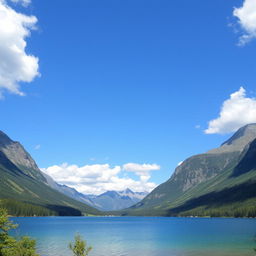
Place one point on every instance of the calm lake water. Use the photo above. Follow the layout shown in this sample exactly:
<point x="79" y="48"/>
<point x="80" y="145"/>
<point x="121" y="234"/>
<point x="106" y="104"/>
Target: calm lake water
<point x="143" y="236"/>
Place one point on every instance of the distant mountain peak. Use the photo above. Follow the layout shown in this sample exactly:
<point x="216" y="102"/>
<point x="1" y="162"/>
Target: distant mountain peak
<point x="127" y="190"/>
<point x="110" y="193"/>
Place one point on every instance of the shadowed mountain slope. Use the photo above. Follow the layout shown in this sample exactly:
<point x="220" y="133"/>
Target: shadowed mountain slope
<point x="24" y="189"/>
<point x="205" y="176"/>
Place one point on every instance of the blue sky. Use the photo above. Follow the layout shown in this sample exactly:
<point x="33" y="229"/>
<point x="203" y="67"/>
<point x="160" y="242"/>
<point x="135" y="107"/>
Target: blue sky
<point x="130" y="81"/>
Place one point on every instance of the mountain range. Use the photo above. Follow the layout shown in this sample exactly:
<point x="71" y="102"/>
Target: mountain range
<point x="116" y="200"/>
<point x="107" y="201"/>
<point x="220" y="182"/>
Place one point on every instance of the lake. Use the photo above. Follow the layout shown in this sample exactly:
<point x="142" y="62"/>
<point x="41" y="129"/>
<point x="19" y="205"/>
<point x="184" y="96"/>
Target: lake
<point x="143" y="236"/>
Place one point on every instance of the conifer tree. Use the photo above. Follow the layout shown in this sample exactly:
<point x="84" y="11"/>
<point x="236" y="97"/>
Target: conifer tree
<point x="9" y="246"/>
<point x="79" y="247"/>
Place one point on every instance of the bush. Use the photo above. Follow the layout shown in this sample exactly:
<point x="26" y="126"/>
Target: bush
<point x="79" y="247"/>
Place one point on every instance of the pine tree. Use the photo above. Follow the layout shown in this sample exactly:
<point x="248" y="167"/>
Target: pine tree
<point x="9" y="246"/>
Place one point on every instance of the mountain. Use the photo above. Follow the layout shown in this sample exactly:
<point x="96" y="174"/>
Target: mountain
<point x="117" y="200"/>
<point x="24" y="189"/>
<point x="16" y="154"/>
<point x="219" y="182"/>
<point x="108" y="201"/>
<point x="135" y="196"/>
<point x="68" y="191"/>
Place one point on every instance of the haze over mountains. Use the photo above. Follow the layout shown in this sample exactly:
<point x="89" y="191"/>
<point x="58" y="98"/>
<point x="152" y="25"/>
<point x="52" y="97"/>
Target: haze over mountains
<point x="117" y="200"/>
<point x="220" y="182"/>
<point x="108" y="201"/>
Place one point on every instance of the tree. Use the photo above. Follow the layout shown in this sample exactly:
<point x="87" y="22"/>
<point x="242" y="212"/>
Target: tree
<point x="6" y="241"/>
<point x="79" y="247"/>
<point x="9" y="246"/>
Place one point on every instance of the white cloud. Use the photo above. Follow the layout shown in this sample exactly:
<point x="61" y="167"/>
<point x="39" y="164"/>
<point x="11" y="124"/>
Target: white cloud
<point x="246" y="16"/>
<point x="236" y="112"/>
<point x="97" y="178"/>
<point x="16" y="65"/>
<point x="141" y="170"/>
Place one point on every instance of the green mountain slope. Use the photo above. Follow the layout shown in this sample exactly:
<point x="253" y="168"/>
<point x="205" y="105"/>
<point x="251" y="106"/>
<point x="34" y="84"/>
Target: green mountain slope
<point x="221" y="182"/>
<point x="24" y="190"/>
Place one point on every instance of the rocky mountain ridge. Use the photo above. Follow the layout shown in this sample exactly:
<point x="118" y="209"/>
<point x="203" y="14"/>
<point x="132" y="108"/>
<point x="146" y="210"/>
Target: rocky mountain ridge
<point x="24" y="189"/>
<point x="205" y="173"/>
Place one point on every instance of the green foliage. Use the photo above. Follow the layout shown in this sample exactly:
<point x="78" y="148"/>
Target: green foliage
<point x="224" y="211"/>
<point x="23" y="247"/>
<point x="5" y="223"/>
<point x="16" y="208"/>
<point x="79" y="247"/>
<point x="5" y="226"/>
<point x="9" y="246"/>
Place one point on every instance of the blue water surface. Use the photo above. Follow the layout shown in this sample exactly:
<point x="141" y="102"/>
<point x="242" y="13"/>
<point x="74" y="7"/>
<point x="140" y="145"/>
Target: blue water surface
<point x="142" y="236"/>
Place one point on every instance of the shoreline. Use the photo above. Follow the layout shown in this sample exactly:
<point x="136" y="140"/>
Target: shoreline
<point x="116" y="216"/>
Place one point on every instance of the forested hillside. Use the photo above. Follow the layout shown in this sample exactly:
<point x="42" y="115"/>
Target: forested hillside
<point x="24" y="190"/>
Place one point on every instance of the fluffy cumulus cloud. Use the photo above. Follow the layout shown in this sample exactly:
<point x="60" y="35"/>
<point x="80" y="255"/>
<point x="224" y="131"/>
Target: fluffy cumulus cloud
<point x="236" y="112"/>
<point x="98" y="178"/>
<point x="246" y="16"/>
<point x="16" y="65"/>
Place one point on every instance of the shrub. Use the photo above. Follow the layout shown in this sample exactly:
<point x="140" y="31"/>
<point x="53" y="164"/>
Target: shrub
<point x="79" y="247"/>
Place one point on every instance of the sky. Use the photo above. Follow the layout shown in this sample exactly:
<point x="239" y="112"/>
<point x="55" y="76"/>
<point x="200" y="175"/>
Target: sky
<point x="112" y="94"/>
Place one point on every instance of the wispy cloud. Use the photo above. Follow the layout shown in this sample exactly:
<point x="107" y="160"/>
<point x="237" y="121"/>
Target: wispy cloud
<point x="23" y="2"/>
<point x="37" y="147"/>
<point x="236" y="112"/>
<point x="246" y="15"/>
<point x="98" y="178"/>
<point x="16" y="65"/>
